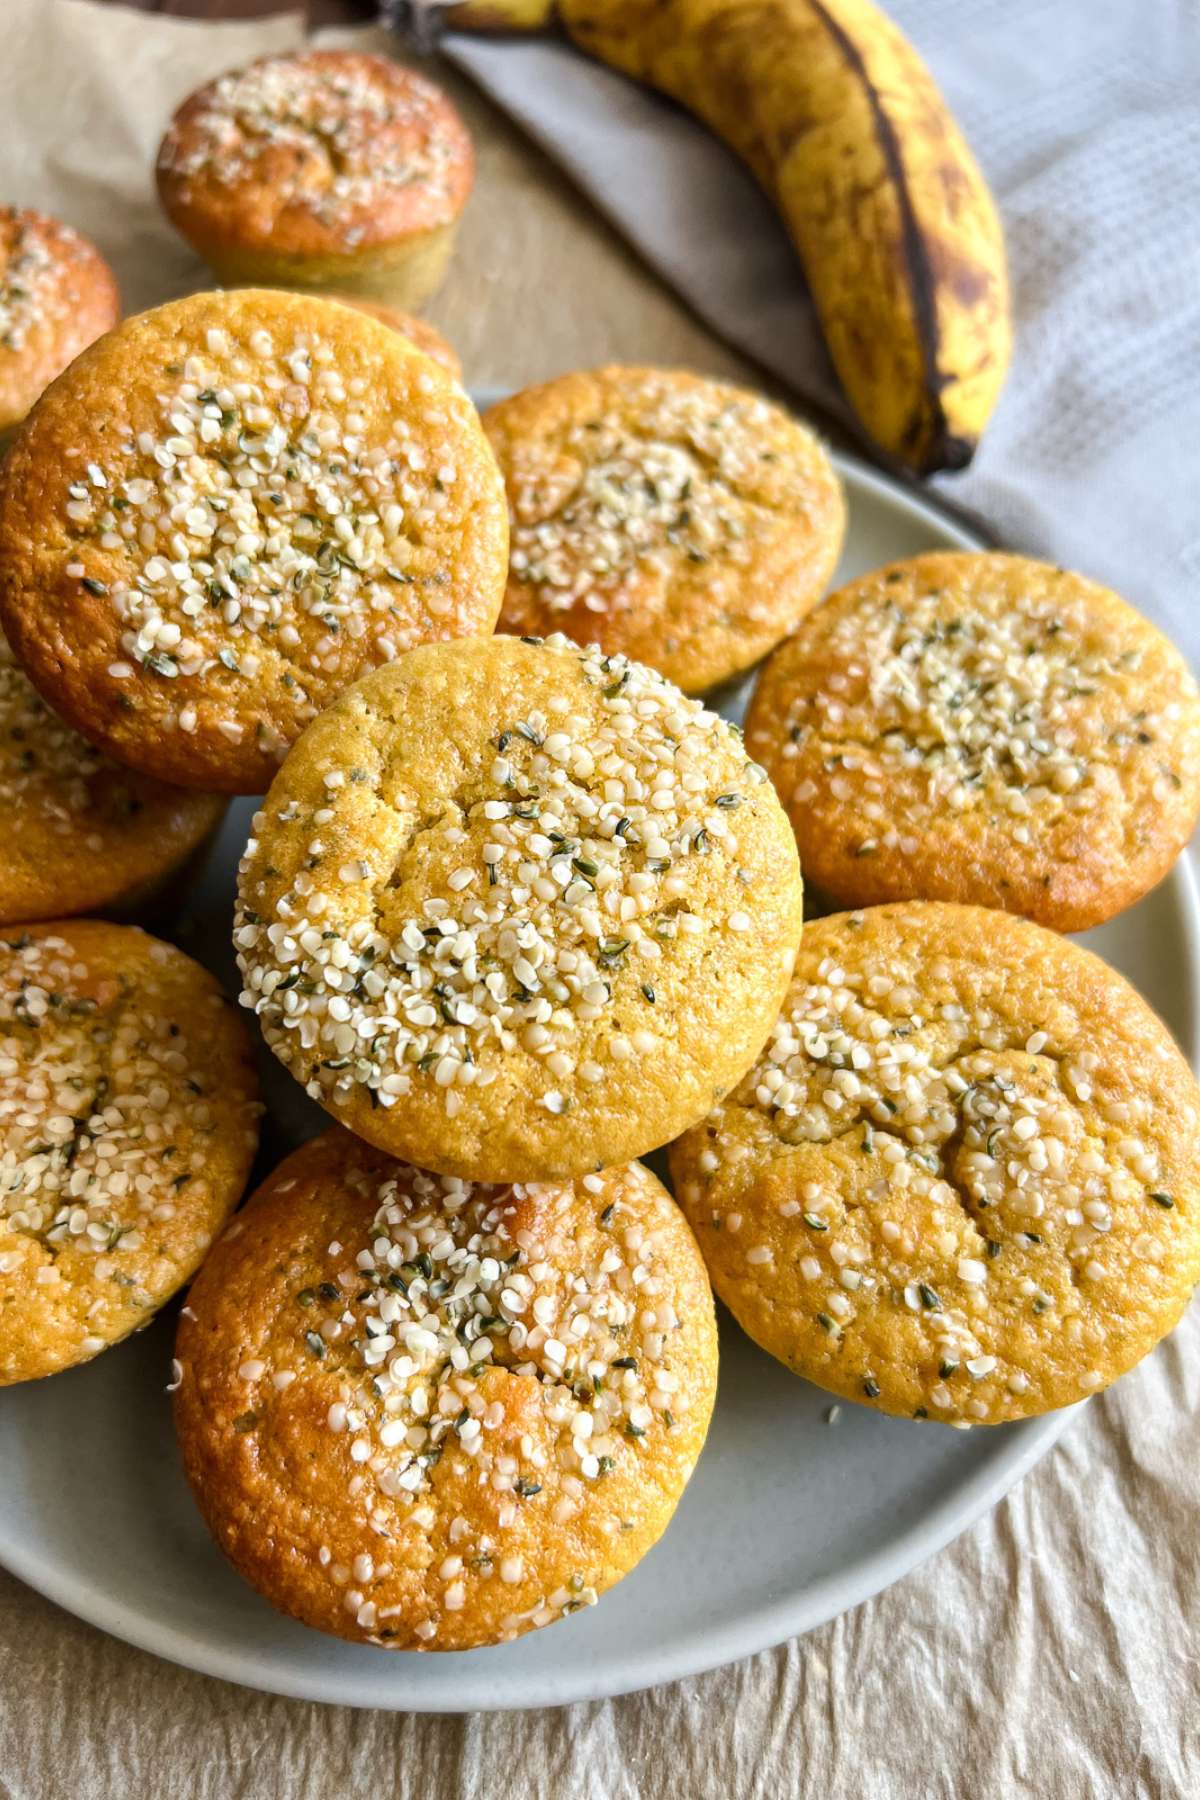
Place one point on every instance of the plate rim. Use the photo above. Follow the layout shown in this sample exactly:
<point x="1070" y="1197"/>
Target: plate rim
<point x="754" y="1632"/>
<point x="748" y="1632"/>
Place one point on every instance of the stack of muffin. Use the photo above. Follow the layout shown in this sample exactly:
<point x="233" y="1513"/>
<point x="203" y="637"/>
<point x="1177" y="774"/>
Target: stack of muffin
<point x="517" y="910"/>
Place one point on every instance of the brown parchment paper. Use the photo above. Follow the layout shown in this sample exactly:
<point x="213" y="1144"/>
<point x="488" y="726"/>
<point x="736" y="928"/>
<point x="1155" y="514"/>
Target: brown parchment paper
<point x="1052" y="1651"/>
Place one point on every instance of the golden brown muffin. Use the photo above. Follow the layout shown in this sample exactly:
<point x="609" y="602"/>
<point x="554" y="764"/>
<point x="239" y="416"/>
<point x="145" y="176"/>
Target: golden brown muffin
<point x="229" y="509"/>
<point x="322" y="169"/>
<point x="128" y="1123"/>
<point x="417" y="331"/>
<point x="515" y="910"/>
<point x="82" y="833"/>
<point x="982" y="728"/>
<point x="961" y="1182"/>
<point x="57" y="295"/>
<point x="680" y="521"/>
<point x="428" y="1415"/>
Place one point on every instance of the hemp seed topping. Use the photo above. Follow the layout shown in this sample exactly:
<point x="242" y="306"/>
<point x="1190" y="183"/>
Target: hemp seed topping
<point x="677" y="483"/>
<point x="982" y="728"/>
<point x="677" y="519"/>
<point x="948" y="1151"/>
<point x="44" y="760"/>
<point x="28" y="281"/>
<point x="334" y="134"/>
<point x="56" y="295"/>
<point x="83" y="832"/>
<point x="486" y="1376"/>
<point x="126" y="1129"/>
<point x="584" y="838"/>
<point x="281" y="496"/>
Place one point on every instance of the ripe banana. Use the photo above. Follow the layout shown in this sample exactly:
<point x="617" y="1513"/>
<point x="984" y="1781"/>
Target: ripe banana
<point x="842" y="124"/>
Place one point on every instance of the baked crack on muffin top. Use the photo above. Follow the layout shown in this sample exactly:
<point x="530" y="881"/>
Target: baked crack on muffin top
<point x="518" y="862"/>
<point x="677" y="479"/>
<point x="960" y="1180"/>
<point x="87" y="1114"/>
<point x="127" y="1125"/>
<point x="289" y="495"/>
<point x="982" y="728"/>
<point x="682" y="521"/>
<point x="501" y="1392"/>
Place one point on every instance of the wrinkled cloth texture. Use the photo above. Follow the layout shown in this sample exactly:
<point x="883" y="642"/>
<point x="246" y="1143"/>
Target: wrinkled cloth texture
<point x="1083" y="114"/>
<point x="1053" y="1649"/>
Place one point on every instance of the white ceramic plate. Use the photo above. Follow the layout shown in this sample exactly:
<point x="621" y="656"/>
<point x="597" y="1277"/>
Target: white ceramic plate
<point x="787" y="1521"/>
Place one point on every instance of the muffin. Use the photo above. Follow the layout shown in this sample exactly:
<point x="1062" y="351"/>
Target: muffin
<point x="982" y="728"/>
<point x="680" y="521"/>
<point x="428" y="1415"/>
<point x="57" y="295"/>
<point x="961" y="1181"/>
<point x="514" y="910"/>
<point x="321" y="169"/>
<point x="229" y="509"/>
<point x="83" y="834"/>
<point x="128" y="1123"/>
<point x="417" y="331"/>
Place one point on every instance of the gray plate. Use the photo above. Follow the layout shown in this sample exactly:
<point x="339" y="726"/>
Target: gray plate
<point x="787" y="1521"/>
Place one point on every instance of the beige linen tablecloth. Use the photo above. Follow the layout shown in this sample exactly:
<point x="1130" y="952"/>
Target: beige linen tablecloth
<point x="1051" y="1651"/>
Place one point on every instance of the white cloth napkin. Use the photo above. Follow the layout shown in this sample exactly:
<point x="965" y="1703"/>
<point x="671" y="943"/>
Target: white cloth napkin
<point x="1084" y="115"/>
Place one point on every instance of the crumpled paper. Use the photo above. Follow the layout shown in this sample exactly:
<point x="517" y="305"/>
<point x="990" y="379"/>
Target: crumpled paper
<point x="1050" y="1651"/>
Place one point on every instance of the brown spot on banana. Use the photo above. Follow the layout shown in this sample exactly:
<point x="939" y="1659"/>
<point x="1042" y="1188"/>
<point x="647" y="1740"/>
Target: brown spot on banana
<point x="967" y="283"/>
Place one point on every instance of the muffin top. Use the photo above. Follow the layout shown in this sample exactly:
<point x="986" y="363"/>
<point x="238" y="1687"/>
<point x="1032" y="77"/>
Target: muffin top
<point x="517" y="910"/>
<point x="982" y="728"/>
<point x="961" y="1180"/>
<point x="418" y="331"/>
<point x="494" y="1395"/>
<point x="679" y="520"/>
<point x="229" y="509"/>
<point x="81" y="832"/>
<point x="318" y="153"/>
<point x="57" y="294"/>
<point x="128" y="1121"/>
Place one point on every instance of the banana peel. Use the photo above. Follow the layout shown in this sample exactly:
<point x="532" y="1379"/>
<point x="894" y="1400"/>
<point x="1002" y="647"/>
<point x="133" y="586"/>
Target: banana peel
<point x="501" y="17"/>
<point x="837" y="116"/>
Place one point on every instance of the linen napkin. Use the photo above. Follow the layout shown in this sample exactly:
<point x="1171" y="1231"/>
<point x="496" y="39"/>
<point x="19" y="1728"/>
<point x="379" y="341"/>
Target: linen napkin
<point x="1083" y="114"/>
